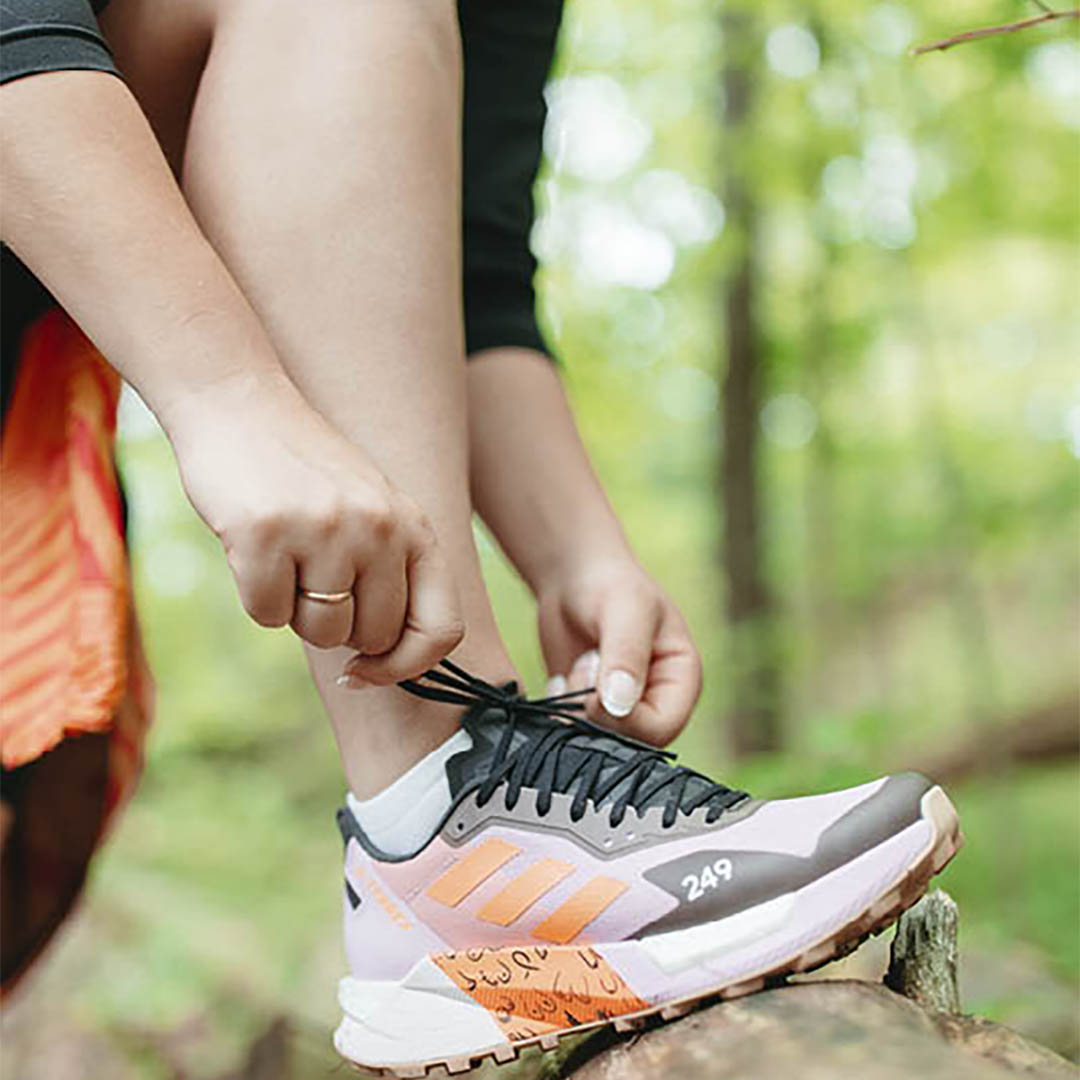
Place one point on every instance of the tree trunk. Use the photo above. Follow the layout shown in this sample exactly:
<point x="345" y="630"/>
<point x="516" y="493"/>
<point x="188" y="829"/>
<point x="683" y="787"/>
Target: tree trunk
<point x="754" y="723"/>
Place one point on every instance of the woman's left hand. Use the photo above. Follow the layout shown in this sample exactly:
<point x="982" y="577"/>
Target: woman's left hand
<point x="606" y="623"/>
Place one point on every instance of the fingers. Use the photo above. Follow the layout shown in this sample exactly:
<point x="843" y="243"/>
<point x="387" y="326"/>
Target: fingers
<point x="556" y="685"/>
<point x="628" y="625"/>
<point x="561" y="643"/>
<point x="324" y="623"/>
<point x="646" y="638"/>
<point x="403" y="615"/>
<point x="433" y="624"/>
<point x="584" y="672"/>
<point x="266" y="583"/>
<point x="673" y="685"/>
<point x="270" y="584"/>
<point x="381" y="607"/>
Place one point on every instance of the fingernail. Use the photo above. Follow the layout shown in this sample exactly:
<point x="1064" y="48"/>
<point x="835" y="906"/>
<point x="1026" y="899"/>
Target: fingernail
<point x="589" y="666"/>
<point x="353" y="682"/>
<point x="620" y="693"/>
<point x="556" y="685"/>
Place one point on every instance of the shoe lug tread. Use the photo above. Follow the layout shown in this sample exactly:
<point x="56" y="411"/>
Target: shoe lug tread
<point x="738" y="990"/>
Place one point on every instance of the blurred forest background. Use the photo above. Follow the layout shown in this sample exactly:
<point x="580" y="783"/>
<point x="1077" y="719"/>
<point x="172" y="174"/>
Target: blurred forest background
<point x="816" y="301"/>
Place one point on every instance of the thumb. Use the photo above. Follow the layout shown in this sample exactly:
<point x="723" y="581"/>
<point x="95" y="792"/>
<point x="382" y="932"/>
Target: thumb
<point x="628" y="626"/>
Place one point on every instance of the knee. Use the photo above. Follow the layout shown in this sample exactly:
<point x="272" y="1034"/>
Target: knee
<point x="425" y="31"/>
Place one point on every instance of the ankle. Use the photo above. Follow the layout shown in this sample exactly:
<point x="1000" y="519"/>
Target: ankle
<point x="383" y="732"/>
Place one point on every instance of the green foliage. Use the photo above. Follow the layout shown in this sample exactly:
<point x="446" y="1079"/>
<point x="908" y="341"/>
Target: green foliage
<point x="1022" y="828"/>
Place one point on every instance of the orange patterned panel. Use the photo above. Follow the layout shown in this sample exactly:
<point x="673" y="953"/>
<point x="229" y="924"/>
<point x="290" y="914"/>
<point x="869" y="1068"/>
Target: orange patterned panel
<point x="535" y="990"/>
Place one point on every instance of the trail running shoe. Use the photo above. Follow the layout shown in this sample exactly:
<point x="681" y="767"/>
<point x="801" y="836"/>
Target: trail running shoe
<point x="581" y="878"/>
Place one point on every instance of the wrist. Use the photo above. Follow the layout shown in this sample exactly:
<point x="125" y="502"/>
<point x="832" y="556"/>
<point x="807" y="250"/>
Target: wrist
<point x="238" y="394"/>
<point x="579" y="552"/>
<point x="547" y="509"/>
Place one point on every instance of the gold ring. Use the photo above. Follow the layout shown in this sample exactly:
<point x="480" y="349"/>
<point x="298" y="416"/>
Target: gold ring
<point x="326" y="597"/>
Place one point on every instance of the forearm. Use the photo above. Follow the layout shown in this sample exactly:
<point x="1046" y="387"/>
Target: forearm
<point x="531" y="479"/>
<point x="91" y="207"/>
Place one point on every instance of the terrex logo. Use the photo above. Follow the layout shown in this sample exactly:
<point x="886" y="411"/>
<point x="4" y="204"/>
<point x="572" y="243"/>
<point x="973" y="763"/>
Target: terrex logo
<point x="710" y="875"/>
<point x="368" y="883"/>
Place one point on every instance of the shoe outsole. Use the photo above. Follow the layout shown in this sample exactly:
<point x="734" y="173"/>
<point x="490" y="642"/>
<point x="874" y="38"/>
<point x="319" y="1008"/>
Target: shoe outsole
<point x="876" y="918"/>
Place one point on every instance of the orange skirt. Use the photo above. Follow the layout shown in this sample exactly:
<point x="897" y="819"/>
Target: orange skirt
<point x="70" y="658"/>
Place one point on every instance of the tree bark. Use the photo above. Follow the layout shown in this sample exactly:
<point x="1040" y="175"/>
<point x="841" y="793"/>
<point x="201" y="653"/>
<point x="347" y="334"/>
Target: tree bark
<point x="754" y="722"/>
<point x="923" y="965"/>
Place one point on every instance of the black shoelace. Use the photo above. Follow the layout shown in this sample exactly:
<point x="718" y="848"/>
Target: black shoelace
<point x="557" y="731"/>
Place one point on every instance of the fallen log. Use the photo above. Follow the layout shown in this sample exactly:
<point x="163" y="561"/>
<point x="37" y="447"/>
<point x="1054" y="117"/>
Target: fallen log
<point x="1049" y="733"/>
<point x="820" y="1031"/>
<point x="832" y="1030"/>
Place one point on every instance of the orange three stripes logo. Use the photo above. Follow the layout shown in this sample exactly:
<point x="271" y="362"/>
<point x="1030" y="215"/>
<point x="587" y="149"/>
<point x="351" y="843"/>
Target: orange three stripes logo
<point x="513" y="900"/>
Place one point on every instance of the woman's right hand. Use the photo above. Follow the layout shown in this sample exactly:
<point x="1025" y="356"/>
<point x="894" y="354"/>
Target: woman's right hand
<point x="297" y="507"/>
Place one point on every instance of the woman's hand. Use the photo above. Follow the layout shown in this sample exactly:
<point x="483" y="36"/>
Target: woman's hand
<point x="297" y="507"/>
<point x="606" y="623"/>
<point x="603" y="620"/>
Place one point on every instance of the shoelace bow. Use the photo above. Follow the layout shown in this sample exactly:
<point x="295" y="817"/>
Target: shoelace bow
<point x="536" y="762"/>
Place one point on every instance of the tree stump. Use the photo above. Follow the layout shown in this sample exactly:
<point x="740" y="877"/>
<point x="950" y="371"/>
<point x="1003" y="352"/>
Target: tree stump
<point x="923" y="965"/>
<point x="831" y="1030"/>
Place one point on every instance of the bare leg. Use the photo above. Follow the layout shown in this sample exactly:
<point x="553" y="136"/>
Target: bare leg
<point x="322" y="160"/>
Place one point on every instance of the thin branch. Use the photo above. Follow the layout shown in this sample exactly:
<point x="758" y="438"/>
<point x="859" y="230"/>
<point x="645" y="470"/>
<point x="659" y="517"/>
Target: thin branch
<point x="991" y="31"/>
<point x="1041" y="6"/>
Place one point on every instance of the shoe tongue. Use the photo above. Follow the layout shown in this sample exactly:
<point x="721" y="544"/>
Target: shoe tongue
<point x="487" y="726"/>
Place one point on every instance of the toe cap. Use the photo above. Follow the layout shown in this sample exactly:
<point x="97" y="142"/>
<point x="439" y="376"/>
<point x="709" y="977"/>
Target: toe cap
<point x="895" y="805"/>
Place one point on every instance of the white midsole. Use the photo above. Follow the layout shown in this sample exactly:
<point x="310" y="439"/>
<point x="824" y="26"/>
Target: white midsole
<point x="422" y="1017"/>
<point x="425" y="1016"/>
